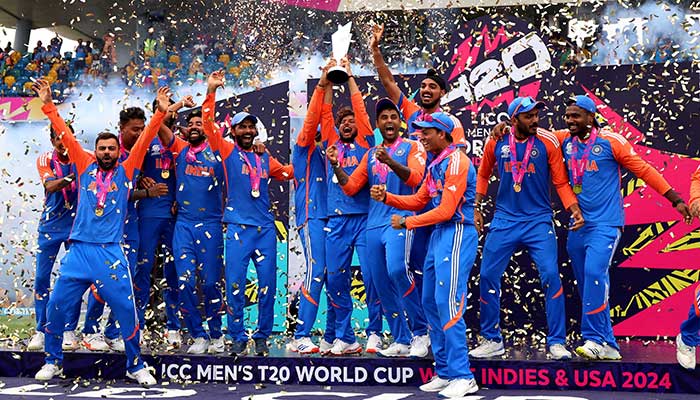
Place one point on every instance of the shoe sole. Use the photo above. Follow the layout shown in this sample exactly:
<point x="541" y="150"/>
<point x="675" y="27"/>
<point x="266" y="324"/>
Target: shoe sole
<point x="392" y="356"/>
<point x="58" y="373"/>
<point x="371" y="351"/>
<point x="89" y="347"/>
<point x="132" y="377"/>
<point x="216" y="351"/>
<point x="490" y="355"/>
<point x="582" y="353"/>
<point x="346" y="353"/>
<point x="470" y="391"/>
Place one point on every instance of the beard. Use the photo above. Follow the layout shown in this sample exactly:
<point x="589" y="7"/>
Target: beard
<point x="195" y="141"/>
<point x="106" y="165"/>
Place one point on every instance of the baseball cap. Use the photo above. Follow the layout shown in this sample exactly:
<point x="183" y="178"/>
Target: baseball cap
<point x="583" y="102"/>
<point x="239" y="117"/>
<point x="523" y="105"/>
<point x="385" y="103"/>
<point x="439" y="120"/>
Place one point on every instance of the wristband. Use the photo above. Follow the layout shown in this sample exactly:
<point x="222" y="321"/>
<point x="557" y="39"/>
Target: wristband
<point x="402" y="222"/>
<point x="68" y="179"/>
<point x="677" y="202"/>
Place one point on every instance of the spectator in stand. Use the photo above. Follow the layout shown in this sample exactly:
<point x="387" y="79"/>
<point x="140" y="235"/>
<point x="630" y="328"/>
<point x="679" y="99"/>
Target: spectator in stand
<point x="56" y="43"/>
<point x="88" y="47"/>
<point x="8" y="48"/>
<point x="80" y="54"/>
<point x="39" y="52"/>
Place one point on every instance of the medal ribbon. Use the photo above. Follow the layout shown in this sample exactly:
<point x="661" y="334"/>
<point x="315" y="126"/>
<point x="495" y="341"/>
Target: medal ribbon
<point x="103" y="182"/>
<point x="579" y="165"/>
<point x="383" y="169"/>
<point x="519" y="173"/>
<point x="59" y="173"/>
<point x="166" y="156"/>
<point x="255" y="173"/>
<point x="191" y="156"/>
<point x="342" y="149"/>
<point x="432" y="186"/>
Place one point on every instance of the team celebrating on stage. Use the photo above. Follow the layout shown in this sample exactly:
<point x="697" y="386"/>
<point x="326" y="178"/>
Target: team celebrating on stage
<point x="411" y="207"/>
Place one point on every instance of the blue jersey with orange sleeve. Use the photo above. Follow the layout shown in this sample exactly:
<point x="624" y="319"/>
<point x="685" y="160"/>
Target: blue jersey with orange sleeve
<point x="199" y="186"/>
<point x="454" y="178"/>
<point x="601" y="199"/>
<point x="409" y="153"/>
<point x="309" y="166"/>
<point x="58" y="211"/>
<point x="412" y="112"/>
<point x="242" y="207"/>
<point x="109" y="226"/>
<point x="153" y="167"/>
<point x="338" y="202"/>
<point x="533" y="202"/>
<point x="131" y="223"/>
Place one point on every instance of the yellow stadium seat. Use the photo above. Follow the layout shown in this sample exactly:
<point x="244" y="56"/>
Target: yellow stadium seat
<point x="9" y="80"/>
<point x="224" y="58"/>
<point x="174" y="58"/>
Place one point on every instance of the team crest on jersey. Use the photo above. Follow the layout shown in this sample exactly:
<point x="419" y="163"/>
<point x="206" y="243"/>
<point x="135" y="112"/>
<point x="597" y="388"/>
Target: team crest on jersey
<point x="597" y="149"/>
<point x="505" y="151"/>
<point x="534" y="153"/>
<point x="400" y="152"/>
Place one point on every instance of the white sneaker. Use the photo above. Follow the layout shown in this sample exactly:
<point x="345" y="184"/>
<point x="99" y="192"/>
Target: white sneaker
<point x="173" y="338"/>
<point x="374" y="344"/>
<point x="95" y="342"/>
<point x="340" y="348"/>
<point x="558" y="352"/>
<point x="70" y="341"/>
<point x="325" y="347"/>
<point x="216" y="346"/>
<point x="200" y="346"/>
<point x="420" y="346"/>
<point x="594" y="351"/>
<point x="36" y="342"/>
<point x="142" y="376"/>
<point x="395" y="350"/>
<point x="303" y="345"/>
<point x="488" y="348"/>
<point x="48" y="372"/>
<point x="434" y="385"/>
<point x="459" y="388"/>
<point x="685" y="354"/>
<point x="115" y="344"/>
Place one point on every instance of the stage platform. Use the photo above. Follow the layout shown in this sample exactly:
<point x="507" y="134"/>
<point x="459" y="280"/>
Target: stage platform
<point x="647" y="366"/>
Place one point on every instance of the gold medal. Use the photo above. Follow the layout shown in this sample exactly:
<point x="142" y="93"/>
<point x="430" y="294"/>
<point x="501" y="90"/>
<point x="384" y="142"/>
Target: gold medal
<point x="165" y="174"/>
<point x="334" y="179"/>
<point x="99" y="211"/>
<point x="578" y="189"/>
<point x="255" y="193"/>
<point x="517" y="187"/>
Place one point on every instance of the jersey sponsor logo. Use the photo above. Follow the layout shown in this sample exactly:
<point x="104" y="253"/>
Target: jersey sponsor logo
<point x="199" y="170"/>
<point x="505" y="151"/>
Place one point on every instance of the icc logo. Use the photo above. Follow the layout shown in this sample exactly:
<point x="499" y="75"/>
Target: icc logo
<point x="569" y="147"/>
<point x="505" y="151"/>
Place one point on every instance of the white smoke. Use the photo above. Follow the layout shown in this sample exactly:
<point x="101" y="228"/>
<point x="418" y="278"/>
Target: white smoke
<point x="651" y="32"/>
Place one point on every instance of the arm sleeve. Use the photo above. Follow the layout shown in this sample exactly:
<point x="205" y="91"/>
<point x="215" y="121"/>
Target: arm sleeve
<point x="358" y="179"/>
<point x="364" y="128"/>
<point x="216" y="141"/>
<point x="695" y="187"/>
<point x="452" y="194"/>
<point x="560" y="177"/>
<point x="43" y="165"/>
<point x="279" y="171"/>
<point x="328" y="133"/>
<point x="628" y="158"/>
<point x="138" y="152"/>
<point x="307" y="136"/>
<point x="76" y="153"/>
<point x="488" y="160"/>
<point x="411" y="202"/>
<point x="416" y="163"/>
<point x="458" y="137"/>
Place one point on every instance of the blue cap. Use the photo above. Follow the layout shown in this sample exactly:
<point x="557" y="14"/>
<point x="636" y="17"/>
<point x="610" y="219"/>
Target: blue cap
<point x="523" y="105"/>
<point x="584" y="102"/>
<point x="239" y="117"/>
<point x="439" y="120"/>
<point x="385" y="103"/>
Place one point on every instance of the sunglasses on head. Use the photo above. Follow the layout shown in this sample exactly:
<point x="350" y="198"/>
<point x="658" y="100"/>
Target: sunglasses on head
<point x="429" y="118"/>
